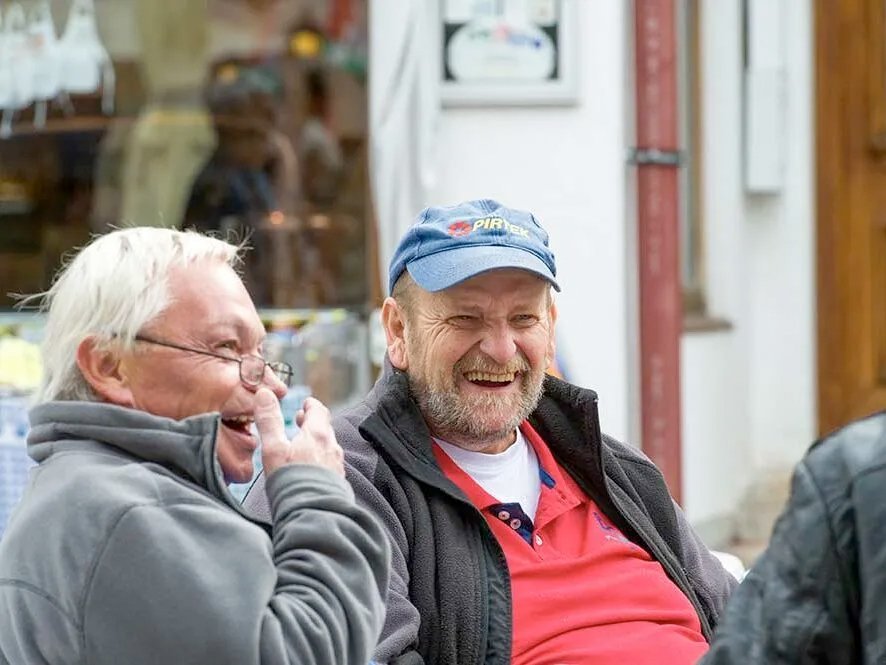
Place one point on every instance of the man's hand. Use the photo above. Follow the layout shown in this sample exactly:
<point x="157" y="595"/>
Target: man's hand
<point x="315" y="442"/>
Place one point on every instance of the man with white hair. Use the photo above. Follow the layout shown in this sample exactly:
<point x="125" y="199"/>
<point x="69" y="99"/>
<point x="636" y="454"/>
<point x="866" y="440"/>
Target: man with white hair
<point x="127" y="546"/>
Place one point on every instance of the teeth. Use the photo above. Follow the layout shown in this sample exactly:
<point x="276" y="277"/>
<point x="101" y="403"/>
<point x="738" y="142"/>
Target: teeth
<point x="486" y="376"/>
<point x="241" y="420"/>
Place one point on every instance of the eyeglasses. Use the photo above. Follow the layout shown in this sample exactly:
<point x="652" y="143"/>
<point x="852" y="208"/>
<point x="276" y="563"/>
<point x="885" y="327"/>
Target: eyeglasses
<point x="252" y="368"/>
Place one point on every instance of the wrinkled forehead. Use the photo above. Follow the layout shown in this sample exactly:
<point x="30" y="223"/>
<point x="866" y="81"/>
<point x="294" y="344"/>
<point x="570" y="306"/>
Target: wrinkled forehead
<point x="209" y="297"/>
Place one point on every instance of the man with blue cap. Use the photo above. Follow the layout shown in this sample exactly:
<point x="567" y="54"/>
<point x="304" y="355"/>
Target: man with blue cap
<point x="520" y="533"/>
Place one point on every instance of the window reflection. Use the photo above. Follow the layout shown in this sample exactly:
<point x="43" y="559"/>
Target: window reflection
<point x="243" y="117"/>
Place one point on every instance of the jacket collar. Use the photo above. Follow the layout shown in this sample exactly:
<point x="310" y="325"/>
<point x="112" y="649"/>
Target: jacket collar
<point x="396" y="426"/>
<point x="185" y="447"/>
<point x="566" y="418"/>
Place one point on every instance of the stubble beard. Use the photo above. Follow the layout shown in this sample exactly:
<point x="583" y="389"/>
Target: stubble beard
<point x="474" y="422"/>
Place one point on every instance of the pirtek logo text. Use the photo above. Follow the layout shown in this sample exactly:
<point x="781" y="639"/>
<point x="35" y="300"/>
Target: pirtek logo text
<point x="463" y="228"/>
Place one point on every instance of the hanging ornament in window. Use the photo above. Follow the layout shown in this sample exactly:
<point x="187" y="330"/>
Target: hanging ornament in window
<point x="17" y="77"/>
<point x="43" y="56"/>
<point x="86" y="65"/>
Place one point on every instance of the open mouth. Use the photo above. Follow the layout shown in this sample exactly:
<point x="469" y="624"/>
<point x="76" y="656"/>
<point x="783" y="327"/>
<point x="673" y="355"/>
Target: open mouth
<point x="491" y="379"/>
<point x="241" y="424"/>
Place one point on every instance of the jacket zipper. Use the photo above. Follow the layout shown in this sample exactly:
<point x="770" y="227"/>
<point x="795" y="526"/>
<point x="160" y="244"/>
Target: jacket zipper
<point x="656" y="546"/>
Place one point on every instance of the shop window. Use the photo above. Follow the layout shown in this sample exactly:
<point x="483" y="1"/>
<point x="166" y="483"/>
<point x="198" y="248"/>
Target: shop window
<point x="247" y="118"/>
<point x="691" y="223"/>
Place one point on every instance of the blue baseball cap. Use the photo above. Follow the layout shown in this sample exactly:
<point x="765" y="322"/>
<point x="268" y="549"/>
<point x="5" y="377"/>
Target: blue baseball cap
<point x="447" y="245"/>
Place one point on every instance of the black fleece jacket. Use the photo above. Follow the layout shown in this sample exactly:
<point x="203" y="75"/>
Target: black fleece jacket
<point x="450" y="598"/>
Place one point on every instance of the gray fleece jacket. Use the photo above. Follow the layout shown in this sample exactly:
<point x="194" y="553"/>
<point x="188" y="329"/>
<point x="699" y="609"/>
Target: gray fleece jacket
<point x="128" y="548"/>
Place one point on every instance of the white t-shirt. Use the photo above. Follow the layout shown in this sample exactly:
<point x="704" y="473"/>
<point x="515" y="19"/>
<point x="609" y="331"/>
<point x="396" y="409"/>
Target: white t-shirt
<point x="510" y="476"/>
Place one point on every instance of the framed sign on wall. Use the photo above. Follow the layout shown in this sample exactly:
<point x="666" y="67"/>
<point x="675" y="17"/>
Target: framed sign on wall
<point x="508" y="52"/>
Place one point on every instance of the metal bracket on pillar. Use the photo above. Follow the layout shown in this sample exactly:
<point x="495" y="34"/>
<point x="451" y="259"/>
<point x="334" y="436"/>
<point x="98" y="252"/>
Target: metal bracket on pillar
<point x="655" y="157"/>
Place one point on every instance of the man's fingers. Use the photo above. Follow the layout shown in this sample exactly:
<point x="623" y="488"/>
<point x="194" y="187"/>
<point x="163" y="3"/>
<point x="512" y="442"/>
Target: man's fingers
<point x="315" y="423"/>
<point x="268" y="419"/>
<point x="316" y="434"/>
<point x="313" y="403"/>
<point x="314" y="444"/>
<point x="309" y="403"/>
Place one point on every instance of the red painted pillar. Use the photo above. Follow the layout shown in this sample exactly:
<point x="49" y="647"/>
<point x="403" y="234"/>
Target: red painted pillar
<point x="657" y="162"/>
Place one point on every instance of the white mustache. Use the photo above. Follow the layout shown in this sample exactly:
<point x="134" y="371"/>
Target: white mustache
<point x="471" y="365"/>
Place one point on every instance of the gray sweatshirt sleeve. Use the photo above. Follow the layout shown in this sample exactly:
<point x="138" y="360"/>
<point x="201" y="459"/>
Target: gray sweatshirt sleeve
<point x="187" y="583"/>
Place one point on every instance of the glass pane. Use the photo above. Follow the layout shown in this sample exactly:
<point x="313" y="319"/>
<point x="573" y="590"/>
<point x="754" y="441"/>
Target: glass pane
<point x="242" y="117"/>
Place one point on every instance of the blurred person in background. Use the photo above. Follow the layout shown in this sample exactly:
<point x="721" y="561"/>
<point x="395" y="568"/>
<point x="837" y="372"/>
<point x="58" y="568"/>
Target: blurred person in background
<point x="520" y="532"/>
<point x="321" y="163"/>
<point x="127" y="546"/>
<point x="254" y="170"/>
<point x="817" y="594"/>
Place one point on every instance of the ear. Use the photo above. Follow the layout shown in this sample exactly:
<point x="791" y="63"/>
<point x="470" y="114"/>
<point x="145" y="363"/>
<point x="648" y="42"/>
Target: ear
<point x="102" y="369"/>
<point x="552" y="338"/>
<point x="393" y="319"/>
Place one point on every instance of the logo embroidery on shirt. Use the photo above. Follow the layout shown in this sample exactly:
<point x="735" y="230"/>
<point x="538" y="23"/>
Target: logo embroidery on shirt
<point x="611" y="533"/>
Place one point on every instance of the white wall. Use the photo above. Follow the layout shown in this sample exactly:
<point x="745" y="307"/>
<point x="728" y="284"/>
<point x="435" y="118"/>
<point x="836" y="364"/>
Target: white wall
<point x="781" y="241"/>
<point x="566" y="165"/>
<point x="748" y="393"/>
<point x="714" y="365"/>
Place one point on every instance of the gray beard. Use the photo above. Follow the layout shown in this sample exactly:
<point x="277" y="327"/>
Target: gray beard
<point x="465" y="422"/>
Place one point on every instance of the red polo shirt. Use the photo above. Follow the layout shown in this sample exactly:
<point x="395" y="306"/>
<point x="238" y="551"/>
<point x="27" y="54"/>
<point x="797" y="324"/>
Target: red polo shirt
<point x="582" y="592"/>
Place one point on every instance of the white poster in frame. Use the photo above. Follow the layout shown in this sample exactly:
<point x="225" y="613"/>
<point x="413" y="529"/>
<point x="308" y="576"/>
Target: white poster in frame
<point x="508" y="52"/>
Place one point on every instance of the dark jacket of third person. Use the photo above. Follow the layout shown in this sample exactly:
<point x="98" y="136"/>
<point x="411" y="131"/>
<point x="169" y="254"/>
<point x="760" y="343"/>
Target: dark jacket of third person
<point x="818" y="592"/>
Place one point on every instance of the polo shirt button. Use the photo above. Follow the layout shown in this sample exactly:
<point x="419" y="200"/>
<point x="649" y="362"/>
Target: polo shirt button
<point x="504" y="515"/>
<point x="515" y="524"/>
<point x="538" y="540"/>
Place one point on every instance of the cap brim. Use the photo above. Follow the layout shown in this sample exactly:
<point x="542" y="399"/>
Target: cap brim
<point x="444" y="269"/>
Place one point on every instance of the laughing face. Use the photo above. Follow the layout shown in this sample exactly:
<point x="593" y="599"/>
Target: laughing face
<point x="209" y="310"/>
<point x="475" y="354"/>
